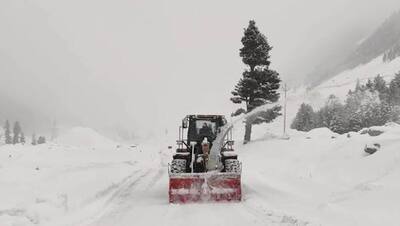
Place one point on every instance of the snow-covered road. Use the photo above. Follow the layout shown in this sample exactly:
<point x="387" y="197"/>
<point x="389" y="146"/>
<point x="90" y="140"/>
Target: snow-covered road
<point x="315" y="178"/>
<point x="142" y="199"/>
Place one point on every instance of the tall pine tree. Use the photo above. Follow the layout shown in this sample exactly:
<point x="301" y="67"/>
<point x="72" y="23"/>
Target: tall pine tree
<point x="259" y="84"/>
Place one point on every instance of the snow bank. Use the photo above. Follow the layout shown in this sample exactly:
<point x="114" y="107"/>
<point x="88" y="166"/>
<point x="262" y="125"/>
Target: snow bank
<point x="391" y="127"/>
<point x="327" y="181"/>
<point x="321" y="133"/>
<point x="84" y="137"/>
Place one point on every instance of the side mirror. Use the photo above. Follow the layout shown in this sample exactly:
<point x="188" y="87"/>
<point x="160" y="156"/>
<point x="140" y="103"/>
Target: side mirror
<point x="185" y="123"/>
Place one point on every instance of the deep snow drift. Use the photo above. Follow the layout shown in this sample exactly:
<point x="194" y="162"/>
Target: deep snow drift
<point x="314" y="178"/>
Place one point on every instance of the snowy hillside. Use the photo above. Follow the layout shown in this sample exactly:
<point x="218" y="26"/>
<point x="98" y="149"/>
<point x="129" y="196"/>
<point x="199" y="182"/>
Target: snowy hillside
<point x="340" y="84"/>
<point x="84" y="137"/>
<point x="383" y="41"/>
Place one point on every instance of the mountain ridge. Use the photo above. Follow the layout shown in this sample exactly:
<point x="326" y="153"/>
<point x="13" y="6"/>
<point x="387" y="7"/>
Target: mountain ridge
<point x="385" y="40"/>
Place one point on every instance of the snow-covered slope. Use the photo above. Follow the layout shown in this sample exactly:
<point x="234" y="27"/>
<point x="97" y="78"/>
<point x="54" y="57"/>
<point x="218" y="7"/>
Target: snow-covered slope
<point x="340" y="84"/>
<point x="84" y="137"/>
<point x="384" y="40"/>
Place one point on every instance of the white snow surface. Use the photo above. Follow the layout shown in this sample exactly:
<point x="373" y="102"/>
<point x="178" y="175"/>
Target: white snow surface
<point x="321" y="133"/>
<point x="310" y="179"/>
<point x="84" y="137"/>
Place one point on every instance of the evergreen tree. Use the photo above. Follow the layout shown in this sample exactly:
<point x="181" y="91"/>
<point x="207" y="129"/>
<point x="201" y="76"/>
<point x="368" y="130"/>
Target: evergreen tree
<point x="304" y="120"/>
<point x="374" y="112"/>
<point x="394" y="114"/>
<point x="365" y="109"/>
<point x="353" y="110"/>
<point x="394" y="90"/>
<point x="359" y="87"/>
<point x="383" y="114"/>
<point x="34" y="141"/>
<point x="259" y="84"/>
<point x="22" y="138"/>
<point x="41" y="140"/>
<point x="379" y="85"/>
<point x="7" y="133"/>
<point x="370" y="85"/>
<point x="16" y="131"/>
<point x="333" y="115"/>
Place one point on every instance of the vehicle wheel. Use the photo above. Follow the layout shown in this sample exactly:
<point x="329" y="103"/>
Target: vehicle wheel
<point x="232" y="166"/>
<point x="178" y="166"/>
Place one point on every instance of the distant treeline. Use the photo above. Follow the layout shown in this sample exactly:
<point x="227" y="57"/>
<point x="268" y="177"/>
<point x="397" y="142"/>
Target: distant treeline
<point x="17" y="136"/>
<point x="372" y="104"/>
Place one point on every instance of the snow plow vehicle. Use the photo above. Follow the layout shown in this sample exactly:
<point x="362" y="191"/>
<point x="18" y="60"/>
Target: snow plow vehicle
<point x="205" y="166"/>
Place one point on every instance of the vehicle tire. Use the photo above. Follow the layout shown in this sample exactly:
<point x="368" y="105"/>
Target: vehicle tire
<point x="178" y="166"/>
<point x="232" y="166"/>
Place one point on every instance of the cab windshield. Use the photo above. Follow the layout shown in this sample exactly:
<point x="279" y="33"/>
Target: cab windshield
<point x="204" y="127"/>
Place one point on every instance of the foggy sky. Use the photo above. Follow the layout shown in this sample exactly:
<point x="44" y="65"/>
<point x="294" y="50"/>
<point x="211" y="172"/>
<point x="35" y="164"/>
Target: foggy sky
<point x="144" y="65"/>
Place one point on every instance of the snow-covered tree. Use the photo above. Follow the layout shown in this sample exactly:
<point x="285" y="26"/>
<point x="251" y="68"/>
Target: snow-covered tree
<point x="41" y="140"/>
<point x="332" y="115"/>
<point x="365" y="109"/>
<point x="379" y="85"/>
<point x="259" y="84"/>
<point x="22" y="138"/>
<point x="34" y="141"/>
<point x="304" y="120"/>
<point x="370" y="85"/>
<point x="7" y="133"/>
<point x="359" y="87"/>
<point x="394" y="90"/>
<point x="16" y="132"/>
<point x="395" y="114"/>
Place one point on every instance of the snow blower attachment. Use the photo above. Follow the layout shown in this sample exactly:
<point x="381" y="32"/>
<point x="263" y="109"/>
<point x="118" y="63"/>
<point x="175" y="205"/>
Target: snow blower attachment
<point x="204" y="167"/>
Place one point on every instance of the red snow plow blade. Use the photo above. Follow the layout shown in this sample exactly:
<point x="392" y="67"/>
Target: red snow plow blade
<point x="204" y="187"/>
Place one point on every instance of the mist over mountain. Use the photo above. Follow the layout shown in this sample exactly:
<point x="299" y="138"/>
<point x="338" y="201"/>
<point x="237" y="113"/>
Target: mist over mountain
<point x="384" y="40"/>
<point x="134" y="67"/>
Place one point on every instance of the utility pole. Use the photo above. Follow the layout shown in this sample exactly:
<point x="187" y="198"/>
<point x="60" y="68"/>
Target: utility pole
<point x="284" y="110"/>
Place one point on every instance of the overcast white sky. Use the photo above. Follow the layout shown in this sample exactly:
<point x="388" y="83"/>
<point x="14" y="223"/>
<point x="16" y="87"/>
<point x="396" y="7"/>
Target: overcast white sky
<point x="147" y="63"/>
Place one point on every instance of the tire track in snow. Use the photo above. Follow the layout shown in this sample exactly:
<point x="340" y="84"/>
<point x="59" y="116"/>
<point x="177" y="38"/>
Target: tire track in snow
<point x="268" y="217"/>
<point x="124" y="187"/>
<point x="112" y="187"/>
<point x="127" y="188"/>
<point x="126" y="197"/>
<point x="156" y="178"/>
